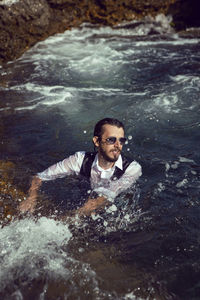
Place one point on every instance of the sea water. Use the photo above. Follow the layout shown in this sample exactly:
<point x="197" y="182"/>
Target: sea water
<point x="146" y="244"/>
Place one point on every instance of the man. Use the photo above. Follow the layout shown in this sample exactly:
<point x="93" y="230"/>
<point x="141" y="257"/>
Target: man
<point x="108" y="171"/>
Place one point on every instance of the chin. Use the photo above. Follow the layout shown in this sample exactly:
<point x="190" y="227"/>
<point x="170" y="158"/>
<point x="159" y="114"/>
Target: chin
<point x="114" y="158"/>
<point x="110" y="157"/>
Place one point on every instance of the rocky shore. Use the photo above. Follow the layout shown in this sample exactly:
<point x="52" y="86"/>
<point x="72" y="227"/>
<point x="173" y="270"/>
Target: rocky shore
<point x="25" y="22"/>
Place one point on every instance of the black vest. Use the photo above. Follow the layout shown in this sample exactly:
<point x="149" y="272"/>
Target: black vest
<point x="87" y="165"/>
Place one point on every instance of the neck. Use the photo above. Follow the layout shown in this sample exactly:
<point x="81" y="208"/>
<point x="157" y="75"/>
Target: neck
<point x="104" y="164"/>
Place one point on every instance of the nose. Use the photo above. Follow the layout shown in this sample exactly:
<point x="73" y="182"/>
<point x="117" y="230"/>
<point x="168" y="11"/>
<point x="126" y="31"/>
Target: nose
<point x="117" y="143"/>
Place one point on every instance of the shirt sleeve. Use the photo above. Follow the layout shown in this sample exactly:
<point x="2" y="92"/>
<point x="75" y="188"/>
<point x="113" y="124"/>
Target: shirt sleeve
<point x="68" y="166"/>
<point x="132" y="173"/>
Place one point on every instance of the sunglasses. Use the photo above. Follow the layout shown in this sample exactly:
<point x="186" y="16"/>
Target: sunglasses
<point x="112" y="140"/>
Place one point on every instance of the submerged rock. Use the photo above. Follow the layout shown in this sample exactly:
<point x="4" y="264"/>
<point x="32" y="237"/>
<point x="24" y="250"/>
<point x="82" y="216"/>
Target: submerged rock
<point x="25" y="22"/>
<point x="10" y="195"/>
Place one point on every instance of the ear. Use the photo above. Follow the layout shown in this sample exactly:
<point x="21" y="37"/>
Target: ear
<point x="96" y="141"/>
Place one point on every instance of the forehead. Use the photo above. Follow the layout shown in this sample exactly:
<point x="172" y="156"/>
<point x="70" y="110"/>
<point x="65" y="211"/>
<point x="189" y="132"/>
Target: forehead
<point x="111" y="130"/>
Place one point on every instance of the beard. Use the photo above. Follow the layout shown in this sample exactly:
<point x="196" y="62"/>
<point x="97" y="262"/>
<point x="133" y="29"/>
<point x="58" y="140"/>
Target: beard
<point x="107" y="158"/>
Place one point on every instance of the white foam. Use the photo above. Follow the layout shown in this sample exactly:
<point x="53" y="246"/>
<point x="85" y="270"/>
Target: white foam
<point x="67" y="91"/>
<point x="85" y="49"/>
<point x="193" y="172"/>
<point x="161" y="187"/>
<point x="57" y="95"/>
<point x="80" y="56"/>
<point x="94" y="59"/>
<point x="111" y="208"/>
<point x="187" y="82"/>
<point x="187" y="160"/>
<point x="24" y="242"/>
<point x="175" y="42"/>
<point x="131" y="296"/>
<point x="160" y="24"/>
<point x="168" y="103"/>
<point x="182" y="183"/>
<point x="31" y="250"/>
<point x="4" y="108"/>
<point x="49" y="96"/>
<point x="30" y="107"/>
<point x="184" y="78"/>
<point x="54" y="102"/>
<point x="175" y="165"/>
<point x="8" y="2"/>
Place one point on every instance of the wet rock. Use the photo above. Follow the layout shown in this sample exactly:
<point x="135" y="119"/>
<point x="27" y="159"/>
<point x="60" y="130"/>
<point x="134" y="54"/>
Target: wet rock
<point x="190" y="33"/>
<point x="185" y="14"/>
<point x="25" y="22"/>
<point x="10" y="195"/>
<point x="20" y="23"/>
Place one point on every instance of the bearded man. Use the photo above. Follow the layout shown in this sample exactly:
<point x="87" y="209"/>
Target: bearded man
<point x="108" y="171"/>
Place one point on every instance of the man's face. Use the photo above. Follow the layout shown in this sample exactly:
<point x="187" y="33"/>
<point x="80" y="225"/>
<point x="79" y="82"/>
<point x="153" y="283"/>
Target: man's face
<point x="110" y="152"/>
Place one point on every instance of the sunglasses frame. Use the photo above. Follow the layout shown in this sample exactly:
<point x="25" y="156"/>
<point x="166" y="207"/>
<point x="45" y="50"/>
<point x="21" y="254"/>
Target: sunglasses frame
<point x="122" y="140"/>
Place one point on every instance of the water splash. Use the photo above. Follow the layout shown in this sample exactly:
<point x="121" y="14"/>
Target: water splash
<point x="8" y="2"/>
<point x="36" y="251"/>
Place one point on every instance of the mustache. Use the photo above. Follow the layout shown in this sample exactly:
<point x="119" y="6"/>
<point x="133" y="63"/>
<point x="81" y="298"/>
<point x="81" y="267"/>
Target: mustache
<point x="116" y="149"/>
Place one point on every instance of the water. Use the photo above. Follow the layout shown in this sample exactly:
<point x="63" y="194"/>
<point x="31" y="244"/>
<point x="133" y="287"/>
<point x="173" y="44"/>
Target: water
<point x="146" y="246"/>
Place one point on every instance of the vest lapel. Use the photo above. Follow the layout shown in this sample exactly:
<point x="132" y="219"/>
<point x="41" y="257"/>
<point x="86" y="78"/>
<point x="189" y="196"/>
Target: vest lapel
<point x="87" y="164"/>
<point x="117" y="173"/>
<point x="88" y="161"/>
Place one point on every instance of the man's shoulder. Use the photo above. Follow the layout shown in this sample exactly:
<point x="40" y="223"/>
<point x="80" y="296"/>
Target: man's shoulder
<point x="90" y="154"/>
<point x="79" y="155"/>
<point x="75" y="160"/>
<point x="129" y="160"/>
<point x="134" y="167"/>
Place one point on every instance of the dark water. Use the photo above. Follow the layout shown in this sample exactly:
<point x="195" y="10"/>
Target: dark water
<point x="146" y="246"/>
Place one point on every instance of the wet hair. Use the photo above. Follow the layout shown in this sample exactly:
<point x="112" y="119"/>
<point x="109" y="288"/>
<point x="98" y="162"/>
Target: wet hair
<point x="110" y="121"/>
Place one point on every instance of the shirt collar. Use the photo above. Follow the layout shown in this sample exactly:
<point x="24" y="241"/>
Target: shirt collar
<point x="118" y="163"/>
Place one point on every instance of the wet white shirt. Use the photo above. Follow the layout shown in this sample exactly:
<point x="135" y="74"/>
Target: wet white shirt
<point x="100" y="179"/>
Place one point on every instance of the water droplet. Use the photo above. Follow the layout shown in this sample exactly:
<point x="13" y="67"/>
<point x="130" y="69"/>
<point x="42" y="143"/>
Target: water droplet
<point x="105" y="223"/>
<point x="81" y="250"/>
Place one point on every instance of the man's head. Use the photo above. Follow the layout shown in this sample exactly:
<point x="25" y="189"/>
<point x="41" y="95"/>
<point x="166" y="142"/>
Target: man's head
<point x="109" y="138"/>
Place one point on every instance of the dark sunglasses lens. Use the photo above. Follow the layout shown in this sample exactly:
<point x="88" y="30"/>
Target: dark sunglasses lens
<point x="111" y="140"/>
<point x="122" y="141"/>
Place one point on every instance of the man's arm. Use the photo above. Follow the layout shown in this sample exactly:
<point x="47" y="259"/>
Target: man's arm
<point x="68" y="166"/>
<point x="132" y="173"/>
<point x="30" y="203"/>
<point x="92" y="205"/>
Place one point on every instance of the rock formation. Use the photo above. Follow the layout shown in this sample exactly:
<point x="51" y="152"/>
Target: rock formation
<point x="25" y="22"/>
<point x="9" y="193"/>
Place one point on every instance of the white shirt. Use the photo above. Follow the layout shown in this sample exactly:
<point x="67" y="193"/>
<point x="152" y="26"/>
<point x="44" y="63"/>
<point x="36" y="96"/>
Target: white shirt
<point x="100" y="179"/>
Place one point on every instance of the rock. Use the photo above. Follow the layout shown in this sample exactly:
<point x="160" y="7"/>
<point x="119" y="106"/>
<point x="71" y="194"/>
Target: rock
<point x="185" y="13"/>
<point x="10" y="195"/>
<point x="190" y="33"/>
<point x="20" y="24"/>
<point x="25" y="22"/>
